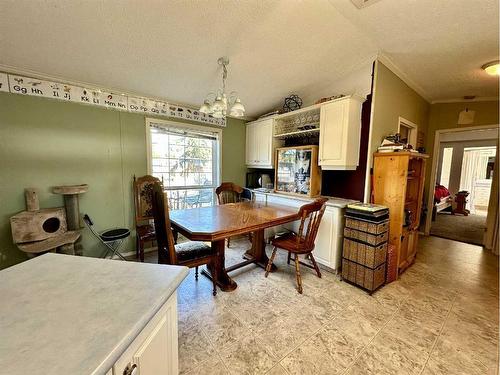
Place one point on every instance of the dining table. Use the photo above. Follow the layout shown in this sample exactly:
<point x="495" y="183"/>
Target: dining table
<point x="216" y="223"/>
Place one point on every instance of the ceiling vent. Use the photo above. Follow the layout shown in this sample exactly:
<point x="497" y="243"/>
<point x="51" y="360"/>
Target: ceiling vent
<point x="363" y="3"/>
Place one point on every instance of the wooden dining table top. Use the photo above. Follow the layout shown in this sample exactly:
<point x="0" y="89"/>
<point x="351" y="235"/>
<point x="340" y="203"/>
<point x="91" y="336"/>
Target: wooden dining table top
<point x="222" y="221"/>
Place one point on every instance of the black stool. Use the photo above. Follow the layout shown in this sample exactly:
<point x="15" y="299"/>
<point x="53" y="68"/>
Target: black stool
<point x="111" y="238"/>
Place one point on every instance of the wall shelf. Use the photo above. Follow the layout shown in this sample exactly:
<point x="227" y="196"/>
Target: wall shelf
<point x="296" y="134"/>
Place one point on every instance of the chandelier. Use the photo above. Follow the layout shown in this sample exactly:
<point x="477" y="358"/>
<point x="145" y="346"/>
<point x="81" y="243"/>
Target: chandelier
<point x="220" y="104"/>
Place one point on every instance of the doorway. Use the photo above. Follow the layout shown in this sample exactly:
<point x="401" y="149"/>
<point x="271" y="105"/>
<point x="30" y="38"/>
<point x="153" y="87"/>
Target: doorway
<point x="461" y="177"/>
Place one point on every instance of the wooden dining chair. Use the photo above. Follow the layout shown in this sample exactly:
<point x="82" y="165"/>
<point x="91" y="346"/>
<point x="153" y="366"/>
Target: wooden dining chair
<point x="302" y="242"/>
<point x="143" y="200"/>
<point x="190" y="254"/>
<point x="229" y="192"/>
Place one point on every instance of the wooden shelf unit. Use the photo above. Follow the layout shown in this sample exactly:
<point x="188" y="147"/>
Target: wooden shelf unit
<point x="396" y="188"/>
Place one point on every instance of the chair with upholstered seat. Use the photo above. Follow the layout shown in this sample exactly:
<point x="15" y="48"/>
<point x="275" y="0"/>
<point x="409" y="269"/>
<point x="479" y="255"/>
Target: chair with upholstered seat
<point x="143" y="200"/>
<point x="143" y="196"/>
<point x="189" y="254"/>
<point x="302" y="242"/>
<point x="229" y="192"/>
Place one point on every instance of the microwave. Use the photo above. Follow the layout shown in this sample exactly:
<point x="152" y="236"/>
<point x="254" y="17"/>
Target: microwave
<point x="256" y="180"/>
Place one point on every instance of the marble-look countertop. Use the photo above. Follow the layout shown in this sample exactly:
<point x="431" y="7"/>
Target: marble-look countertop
<point x="63" y="314"/>
<point x="332" y="201"/>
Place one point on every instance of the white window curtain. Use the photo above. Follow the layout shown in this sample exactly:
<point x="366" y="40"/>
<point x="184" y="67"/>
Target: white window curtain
<point x="473" y="175"/>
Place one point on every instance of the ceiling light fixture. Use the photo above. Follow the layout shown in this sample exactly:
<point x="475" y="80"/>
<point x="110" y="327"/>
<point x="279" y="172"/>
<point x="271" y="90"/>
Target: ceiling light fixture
<point x="217" y="104"/>
<point x="492" y="68"/>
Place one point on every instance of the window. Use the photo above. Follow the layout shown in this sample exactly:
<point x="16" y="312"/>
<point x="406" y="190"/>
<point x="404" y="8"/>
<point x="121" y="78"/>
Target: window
<point x="187" y="159"/>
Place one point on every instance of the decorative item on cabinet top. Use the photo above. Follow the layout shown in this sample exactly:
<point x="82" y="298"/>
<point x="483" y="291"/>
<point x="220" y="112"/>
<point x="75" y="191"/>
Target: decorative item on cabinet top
<point x="25" y="85"/>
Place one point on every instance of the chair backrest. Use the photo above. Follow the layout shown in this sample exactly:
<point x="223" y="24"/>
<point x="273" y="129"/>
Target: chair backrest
<point x="164" y="235"/>
<point x="143" y="197"/>
<point x="310" y="219"/>
<point x="228" y="192"/>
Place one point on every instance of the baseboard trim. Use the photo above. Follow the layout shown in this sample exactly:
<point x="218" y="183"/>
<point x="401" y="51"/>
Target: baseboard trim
<point x="130" y="253"/>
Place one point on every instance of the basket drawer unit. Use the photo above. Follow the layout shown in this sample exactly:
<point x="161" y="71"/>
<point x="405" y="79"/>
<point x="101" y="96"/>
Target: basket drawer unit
<point x="365" y="277"/>
<point x="367" y="226"/>
<point x="367" y="255"/>
<point x="372" y="239"/>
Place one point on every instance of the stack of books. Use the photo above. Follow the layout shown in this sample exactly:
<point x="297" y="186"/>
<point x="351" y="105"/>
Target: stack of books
<point x="367" y="211"/>
<point x="388" y="146"/>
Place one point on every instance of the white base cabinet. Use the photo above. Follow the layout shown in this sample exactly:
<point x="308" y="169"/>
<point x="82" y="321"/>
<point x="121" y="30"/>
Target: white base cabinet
<point x="328" y="245"/>
<point x="155" y="350"/>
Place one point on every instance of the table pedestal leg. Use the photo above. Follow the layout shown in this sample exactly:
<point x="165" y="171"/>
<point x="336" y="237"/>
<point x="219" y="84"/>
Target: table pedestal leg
<point x="225" y="283"/>
<point x="257" y="252"/>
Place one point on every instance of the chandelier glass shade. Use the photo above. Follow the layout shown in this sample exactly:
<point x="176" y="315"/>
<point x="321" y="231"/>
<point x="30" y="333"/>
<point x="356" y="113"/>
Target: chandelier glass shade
<point x="220" y="104"/>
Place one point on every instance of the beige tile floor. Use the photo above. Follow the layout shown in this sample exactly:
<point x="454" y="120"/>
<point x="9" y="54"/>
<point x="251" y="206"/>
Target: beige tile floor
<point x="441" y="317"/>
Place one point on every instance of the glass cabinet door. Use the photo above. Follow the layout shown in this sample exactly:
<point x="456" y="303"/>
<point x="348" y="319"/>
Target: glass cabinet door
<point x="294" y="170"/>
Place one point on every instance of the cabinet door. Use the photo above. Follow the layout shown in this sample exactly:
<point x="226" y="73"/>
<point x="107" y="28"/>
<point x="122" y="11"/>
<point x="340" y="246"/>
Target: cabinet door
<point x="403" y="250"/>
<point x="260" y="144"/>
<point x="333" y="133"/>
<point x="264" y="140"/>
<point x="412" y="246"/>
<point x="324" y="240"/>
<point x="251" y="145"/>
<point x="159" y="354"/>
<point x="155" y="349"/>
<point x="340" y="129"/>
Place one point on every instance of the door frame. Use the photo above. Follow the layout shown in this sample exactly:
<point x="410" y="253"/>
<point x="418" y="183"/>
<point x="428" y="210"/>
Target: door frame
<point x="435" y="159"/>
<point x="412" y="139"/>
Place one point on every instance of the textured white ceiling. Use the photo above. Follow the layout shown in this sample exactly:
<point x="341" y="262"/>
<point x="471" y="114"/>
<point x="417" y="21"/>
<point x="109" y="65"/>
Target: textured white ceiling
<point x="169" y="48"/>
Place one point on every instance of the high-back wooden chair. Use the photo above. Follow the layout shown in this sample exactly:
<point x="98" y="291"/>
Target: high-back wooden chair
<point x="302" y="242"/>
<point x="143" y="200"/>
<point x="190" y="254"/>
<point x="229" y="192"/>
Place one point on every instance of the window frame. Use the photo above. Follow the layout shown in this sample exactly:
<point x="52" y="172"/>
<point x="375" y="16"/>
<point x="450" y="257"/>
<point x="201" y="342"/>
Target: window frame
<point x="216" y="162"/>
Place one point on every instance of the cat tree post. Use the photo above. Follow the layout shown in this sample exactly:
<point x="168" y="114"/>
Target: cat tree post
<point x="72" y="205"/>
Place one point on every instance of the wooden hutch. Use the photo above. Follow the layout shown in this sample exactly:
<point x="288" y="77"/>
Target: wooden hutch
<point x="398" y="183"/>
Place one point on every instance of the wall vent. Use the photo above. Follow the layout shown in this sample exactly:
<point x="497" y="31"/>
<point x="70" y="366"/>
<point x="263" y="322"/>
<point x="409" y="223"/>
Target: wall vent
<point x="363" y="3"/>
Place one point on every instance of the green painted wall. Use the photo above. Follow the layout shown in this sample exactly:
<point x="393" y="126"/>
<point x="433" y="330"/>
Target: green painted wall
<point x="392" y="98"/>
<point x="44" y="143"/>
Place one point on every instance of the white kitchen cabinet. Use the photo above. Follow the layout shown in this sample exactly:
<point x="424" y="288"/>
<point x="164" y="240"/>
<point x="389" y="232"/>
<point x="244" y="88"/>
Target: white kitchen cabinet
<point x="260" y="144"/>
<point x="324" y="244"/>
<point x="340" y="131"/>
<point x="155" y="349"/>
<point x="328" y="245"/>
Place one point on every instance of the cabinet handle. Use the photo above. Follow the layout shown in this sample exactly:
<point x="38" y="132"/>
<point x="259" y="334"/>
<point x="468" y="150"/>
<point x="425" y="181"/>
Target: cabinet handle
<point x="131" y="369"/>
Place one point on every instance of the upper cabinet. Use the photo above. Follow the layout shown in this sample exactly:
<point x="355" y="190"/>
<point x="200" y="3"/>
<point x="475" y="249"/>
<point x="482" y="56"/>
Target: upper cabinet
<point x="338" y="123"/>
<point x="340" y="130"/>
<point x="260" y="144"/>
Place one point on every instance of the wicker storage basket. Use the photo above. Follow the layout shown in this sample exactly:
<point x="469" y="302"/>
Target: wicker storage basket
<point x="367" y="226"/>
<point x="372" y="239"/>
<point x="365" y="277"/>
<point x="367" y="255"/>
<point x="392" y="264"/>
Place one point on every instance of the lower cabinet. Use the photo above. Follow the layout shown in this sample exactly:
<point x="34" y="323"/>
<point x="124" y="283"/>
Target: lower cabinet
<point x="328" y="245"/>
<point x="155" y="349"/>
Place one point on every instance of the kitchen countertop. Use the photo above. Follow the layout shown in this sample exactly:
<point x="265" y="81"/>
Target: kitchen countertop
<point x="63" y="314"/>
<point x="332" y="201"/>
